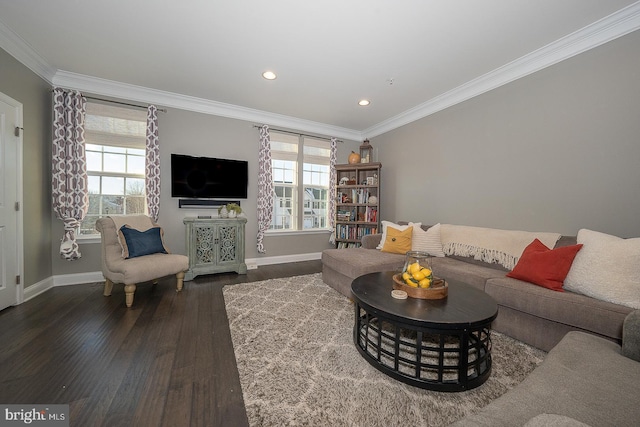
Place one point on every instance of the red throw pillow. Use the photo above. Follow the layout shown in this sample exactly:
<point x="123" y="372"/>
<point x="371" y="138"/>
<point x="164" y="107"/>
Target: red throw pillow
<point x="543" y="266"/>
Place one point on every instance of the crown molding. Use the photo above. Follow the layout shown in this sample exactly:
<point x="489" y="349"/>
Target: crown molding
<point x="142" y="94"/>
<point x="19" y="49"/>
<point x="616" y="25"/>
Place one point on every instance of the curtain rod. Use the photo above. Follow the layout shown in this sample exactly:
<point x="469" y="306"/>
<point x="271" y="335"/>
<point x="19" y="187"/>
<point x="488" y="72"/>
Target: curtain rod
<point x="299" y="134"/>
<point x="162" y="110"/>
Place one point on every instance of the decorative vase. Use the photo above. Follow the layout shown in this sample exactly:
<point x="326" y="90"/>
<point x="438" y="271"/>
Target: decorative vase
<point x="232" y="214"/>
<point x="224" y="213"/>
<point x="354" y="158"/>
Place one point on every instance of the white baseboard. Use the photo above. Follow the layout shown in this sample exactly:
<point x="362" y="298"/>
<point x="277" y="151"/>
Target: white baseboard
<point x="96" y="276"/>
<point x="78" y="278"/>
<point x="253" y="263"/>
<point x="37" y="288"/>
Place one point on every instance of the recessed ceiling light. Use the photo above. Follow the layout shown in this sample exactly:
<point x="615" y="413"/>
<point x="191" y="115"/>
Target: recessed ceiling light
<point x="364" y="102"/>
<point x="269" y="75"/>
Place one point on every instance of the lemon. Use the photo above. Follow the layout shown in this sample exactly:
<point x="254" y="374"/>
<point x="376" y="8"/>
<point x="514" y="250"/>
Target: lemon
<point x="411" y="283"/>
<point x="426" y="271"/>
<point x="419" y="275"/>
<point x="413" y="267"/>
<point x="425" y="283"/>
<point x="406" y="276"/>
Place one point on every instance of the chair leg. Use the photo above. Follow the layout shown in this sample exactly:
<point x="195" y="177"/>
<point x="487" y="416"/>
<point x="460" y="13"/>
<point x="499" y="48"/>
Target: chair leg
<point x="129" y="290"/>
<point x="108" y="287"/>
<point x="180" y="281"/>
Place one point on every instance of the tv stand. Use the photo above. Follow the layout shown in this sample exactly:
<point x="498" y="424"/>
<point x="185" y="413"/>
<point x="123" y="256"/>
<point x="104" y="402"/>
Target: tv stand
<point x="215" y="245"/>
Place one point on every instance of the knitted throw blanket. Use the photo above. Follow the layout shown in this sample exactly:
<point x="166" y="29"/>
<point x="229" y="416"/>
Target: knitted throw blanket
<point x="489" y="244"/>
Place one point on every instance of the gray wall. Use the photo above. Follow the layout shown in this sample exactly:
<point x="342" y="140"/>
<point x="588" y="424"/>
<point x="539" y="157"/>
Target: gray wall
<point x="21" y="84"/>
<point x="558" y="150"/>
<point x="198" y="134"/>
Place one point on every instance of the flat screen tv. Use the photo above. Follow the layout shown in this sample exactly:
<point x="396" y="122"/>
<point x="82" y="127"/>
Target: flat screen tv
<point x="208" y="178"/>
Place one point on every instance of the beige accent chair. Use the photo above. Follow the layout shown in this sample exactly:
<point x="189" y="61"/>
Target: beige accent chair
<point x="117" y="269"/>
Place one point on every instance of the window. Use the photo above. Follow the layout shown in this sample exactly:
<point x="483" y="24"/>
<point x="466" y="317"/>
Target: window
<point x="300" y="167"/>
<point x="115" y="149"/>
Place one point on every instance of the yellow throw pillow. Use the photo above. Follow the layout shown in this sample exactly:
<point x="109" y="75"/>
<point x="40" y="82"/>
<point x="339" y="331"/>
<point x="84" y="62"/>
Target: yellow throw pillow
<point x="397" y="241"/>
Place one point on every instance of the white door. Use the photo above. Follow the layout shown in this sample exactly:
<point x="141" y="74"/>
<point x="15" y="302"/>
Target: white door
<point x="10" y="118"/>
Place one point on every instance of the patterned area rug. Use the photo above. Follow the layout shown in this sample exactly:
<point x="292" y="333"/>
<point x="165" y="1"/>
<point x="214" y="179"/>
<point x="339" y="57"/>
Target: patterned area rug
<point x="298" y="365"/>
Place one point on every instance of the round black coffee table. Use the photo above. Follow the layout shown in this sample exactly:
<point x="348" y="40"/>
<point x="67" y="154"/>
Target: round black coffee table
<point x="442" y="345"/>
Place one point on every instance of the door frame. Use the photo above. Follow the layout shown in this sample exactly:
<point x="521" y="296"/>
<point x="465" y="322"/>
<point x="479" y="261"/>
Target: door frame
<point x="19" y="193"/>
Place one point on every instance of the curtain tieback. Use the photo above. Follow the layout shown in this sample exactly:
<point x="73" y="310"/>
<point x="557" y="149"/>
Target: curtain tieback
<point x="71" y="224"/>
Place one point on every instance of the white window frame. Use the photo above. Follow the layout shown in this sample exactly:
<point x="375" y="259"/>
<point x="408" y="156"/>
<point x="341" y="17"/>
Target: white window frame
<point x="107" y="142"/>
<point x="297" y="184"/>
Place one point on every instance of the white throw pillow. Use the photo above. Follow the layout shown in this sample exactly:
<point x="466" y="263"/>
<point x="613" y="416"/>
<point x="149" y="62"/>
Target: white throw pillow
<point x="386" y="224"/>
<point x="606" y="268"/>
<point x="427" y="241"/>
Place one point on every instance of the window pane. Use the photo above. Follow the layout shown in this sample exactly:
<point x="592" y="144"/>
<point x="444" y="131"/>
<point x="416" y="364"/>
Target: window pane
<point x="134" y="205"/>
<point x="94" y="204"/>
<point x="136" y="164"/>
<point x="114" y="162"/>
<point x="135" y="187"/>
<point x="93" y="183"/>
<point x="112" y="205"/>
<point x="94" y="161"/>
<point x="112" y="185"/>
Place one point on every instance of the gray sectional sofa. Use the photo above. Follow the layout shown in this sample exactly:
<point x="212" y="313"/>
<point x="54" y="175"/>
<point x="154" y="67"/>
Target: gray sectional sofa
<point x="529" y="313"/>
<point x="591" y="375"/>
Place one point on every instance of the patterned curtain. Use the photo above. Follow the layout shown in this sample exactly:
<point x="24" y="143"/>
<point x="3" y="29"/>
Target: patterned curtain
<point x="332" y="190"/>
<point x="69" y="180"/>
<point x="265" y="187"/>
<point x="152" y="169"/>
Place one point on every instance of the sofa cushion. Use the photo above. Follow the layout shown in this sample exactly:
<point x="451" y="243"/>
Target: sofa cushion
<point x="427" y="240"/>
<point x="575" y="310"/>
<point x="400" y="227"/>
<point x="584" y="377"/>
<point x="140" y="243"/>
<point x="606" y="268"/>
<point x="397" y="241"/>
<point x="354" y="262"/>
<point x="456" y="271"/>
<point x="543" y="266"/>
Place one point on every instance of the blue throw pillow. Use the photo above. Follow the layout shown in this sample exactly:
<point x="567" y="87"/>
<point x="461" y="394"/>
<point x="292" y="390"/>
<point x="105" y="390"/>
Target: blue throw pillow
<point x="141" y="243"/>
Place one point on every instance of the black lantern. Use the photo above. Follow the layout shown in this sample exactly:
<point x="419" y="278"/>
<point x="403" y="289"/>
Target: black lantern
<point x="366" y="152"/>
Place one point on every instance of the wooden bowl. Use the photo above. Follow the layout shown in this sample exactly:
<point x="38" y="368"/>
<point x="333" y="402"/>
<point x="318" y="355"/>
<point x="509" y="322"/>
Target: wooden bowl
<point x="439" y="288"/>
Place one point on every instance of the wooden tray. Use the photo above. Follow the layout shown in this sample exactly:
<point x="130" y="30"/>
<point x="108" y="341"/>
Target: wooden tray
<point x="439" y="288"/>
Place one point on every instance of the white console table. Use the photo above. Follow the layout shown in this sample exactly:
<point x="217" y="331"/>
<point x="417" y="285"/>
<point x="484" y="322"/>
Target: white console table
<point x="215" y="245"/>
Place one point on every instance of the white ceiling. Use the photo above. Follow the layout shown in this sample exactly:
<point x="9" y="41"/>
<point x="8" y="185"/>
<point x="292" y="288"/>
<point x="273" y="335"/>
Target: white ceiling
<point x="409" y="57"/>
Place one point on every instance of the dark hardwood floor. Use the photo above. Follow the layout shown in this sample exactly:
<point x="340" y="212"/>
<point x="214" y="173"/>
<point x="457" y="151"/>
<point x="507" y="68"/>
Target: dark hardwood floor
<point x="167" y="361"/>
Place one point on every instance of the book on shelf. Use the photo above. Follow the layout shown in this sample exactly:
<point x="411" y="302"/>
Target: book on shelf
<point x="345" y="245"/>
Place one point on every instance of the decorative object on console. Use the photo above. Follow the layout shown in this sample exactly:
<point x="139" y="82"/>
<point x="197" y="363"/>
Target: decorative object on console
<point x="354" y="158"/>
<point x="223" y="212"/>
<point x="366" y="152"/>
